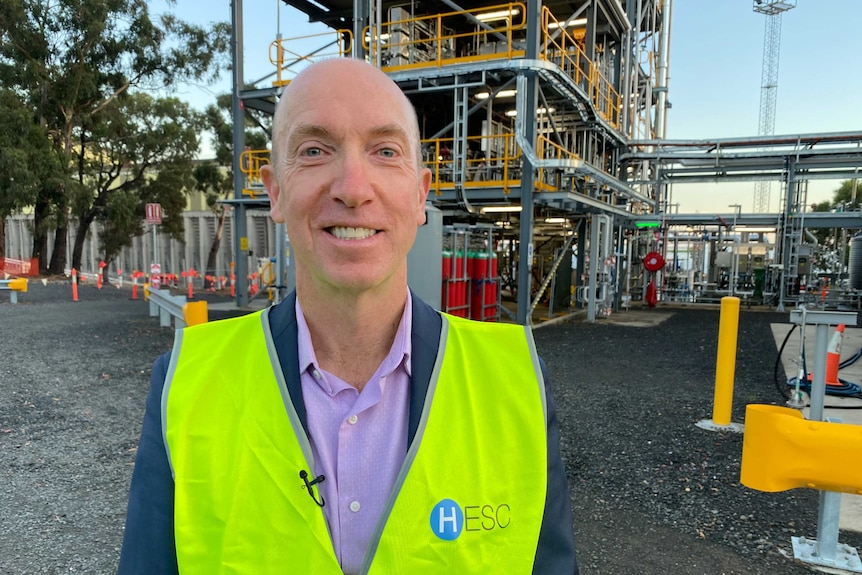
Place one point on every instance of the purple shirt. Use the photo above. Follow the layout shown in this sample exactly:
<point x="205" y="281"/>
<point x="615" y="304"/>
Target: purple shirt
<point x="359" y="439"/>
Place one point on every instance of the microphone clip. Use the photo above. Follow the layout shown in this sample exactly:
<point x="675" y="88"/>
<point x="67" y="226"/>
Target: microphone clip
<point x="309" y="485"/>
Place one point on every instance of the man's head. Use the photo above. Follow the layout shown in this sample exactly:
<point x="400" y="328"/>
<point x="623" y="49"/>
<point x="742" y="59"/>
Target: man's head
<point x="346" y="176"/>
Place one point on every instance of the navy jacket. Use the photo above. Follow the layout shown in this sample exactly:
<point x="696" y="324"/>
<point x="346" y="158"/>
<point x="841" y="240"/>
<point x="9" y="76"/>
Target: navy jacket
<point x="148" y="542"/>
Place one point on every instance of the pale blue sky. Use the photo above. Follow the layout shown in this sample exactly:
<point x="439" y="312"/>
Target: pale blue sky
<point x="715" y="73"/>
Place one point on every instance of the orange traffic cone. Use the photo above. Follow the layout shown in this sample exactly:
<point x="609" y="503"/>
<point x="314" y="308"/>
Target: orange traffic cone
<point x="833" y="356"/>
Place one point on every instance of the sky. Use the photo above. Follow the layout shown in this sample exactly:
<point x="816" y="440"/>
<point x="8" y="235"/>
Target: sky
<point x="715" y="75"/>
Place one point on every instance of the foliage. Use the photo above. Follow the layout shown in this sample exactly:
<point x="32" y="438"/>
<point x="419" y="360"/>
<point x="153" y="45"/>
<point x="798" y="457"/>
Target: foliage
<point x="75" y="63"/>
<point x="134" y="137"/>
<point x="26" y="157"/>
<point x="842" y="198"/>
<point x="215" y="178"/>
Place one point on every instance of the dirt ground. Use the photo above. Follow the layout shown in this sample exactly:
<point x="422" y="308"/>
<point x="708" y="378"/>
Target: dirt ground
<point x="652" y="493"/>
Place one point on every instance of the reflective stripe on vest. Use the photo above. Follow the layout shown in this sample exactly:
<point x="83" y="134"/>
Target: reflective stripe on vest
<point x="469" y="498"/>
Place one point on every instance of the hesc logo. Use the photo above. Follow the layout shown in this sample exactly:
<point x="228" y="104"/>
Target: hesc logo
<point x="449" y="519"/>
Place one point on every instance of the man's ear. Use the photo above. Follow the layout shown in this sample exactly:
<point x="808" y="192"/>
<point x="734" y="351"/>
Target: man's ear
<point x="424" y="188"/>
<point x="270" y="182"/>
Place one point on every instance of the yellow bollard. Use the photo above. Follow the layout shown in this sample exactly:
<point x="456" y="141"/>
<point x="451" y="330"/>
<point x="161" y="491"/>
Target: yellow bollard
<point x="725" y="362"/>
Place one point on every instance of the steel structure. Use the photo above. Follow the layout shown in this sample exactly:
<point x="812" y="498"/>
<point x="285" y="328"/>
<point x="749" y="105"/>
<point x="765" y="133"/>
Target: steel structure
<point x="773" y="9"/>
<point x="544" y="120"/>
<point x="586" y="75"/>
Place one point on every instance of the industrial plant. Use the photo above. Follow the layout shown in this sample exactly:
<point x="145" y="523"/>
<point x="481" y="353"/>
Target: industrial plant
<point x="544" y="126"/>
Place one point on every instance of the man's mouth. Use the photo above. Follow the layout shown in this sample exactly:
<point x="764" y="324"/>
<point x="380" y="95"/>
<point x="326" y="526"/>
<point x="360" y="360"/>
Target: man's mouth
<point x="343" y="233"/>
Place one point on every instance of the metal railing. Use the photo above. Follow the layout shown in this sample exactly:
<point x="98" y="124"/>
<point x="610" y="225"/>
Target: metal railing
<point x="167" y="306"/>
<point x="250" y="162"/>
<point x="285" y="53"/>
<point x="499" y="33"/>
<point x="495" y="162"/>
<point x="561" y="48"/>
<point x="430" y="40"/>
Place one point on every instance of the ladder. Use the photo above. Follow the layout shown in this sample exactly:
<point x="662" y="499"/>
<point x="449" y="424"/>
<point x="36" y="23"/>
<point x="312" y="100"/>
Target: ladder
<point x="459" y="138"/>
<point x="792" y="236"/>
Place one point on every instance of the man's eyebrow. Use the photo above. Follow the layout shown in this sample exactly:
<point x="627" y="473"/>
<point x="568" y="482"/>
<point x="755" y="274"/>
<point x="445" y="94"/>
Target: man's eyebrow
<point x="390" y="130"/>
<point x="302" y="132"/>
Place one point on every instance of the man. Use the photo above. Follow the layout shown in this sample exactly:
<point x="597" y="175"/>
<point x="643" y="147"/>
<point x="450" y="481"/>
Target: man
<point x="352" y="428"/>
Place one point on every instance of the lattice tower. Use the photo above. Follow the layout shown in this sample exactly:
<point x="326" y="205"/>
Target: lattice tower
<point x="769" y="82"/>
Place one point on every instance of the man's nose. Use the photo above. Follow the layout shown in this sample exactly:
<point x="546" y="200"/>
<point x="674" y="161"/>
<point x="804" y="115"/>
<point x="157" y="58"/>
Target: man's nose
<point x="352" y="185"/>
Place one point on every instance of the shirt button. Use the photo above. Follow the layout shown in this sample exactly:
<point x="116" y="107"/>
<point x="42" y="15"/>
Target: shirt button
<point x="354" y="506"/>
<point x="352" y="420"/>
<point x="316" y="374"/>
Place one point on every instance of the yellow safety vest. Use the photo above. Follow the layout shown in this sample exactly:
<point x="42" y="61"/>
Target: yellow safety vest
<point x="469" y="497"/>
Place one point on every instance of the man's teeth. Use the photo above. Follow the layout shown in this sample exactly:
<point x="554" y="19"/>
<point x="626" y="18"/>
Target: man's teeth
<point x="352" y="233"/>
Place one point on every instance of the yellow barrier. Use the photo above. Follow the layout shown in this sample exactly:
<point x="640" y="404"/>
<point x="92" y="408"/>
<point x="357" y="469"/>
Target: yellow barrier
<point x="195" y="312"/>
<point x="782" y="450"/>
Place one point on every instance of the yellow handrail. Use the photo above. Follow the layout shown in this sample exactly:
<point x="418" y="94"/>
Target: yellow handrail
<point x="250" y="162"/>
<point x="498" y="166"/>
<point x="340" y="45"/>
<point x="430" y="40"/>
<point x="561" y="48"/>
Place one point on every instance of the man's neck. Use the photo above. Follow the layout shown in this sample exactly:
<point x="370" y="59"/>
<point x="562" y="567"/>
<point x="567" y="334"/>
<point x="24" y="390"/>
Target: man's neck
<point x="352" y="335"/>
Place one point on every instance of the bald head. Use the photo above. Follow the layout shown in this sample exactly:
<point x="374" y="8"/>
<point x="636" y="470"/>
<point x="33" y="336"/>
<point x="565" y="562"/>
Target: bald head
<point x="345" y="79"/>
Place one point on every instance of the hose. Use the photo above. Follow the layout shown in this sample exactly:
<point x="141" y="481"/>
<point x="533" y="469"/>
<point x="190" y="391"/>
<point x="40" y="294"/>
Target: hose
<point x="846" y="389"/>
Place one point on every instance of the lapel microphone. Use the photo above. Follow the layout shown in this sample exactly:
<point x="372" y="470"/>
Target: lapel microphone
<point x="309" y="485"/>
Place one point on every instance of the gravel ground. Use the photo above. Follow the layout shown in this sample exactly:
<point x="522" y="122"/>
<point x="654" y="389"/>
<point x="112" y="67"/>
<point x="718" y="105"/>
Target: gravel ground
<point x="652" y="493"/>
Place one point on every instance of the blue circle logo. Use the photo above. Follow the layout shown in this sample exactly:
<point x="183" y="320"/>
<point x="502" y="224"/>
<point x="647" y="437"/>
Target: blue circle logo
<point x="447" y="520"/>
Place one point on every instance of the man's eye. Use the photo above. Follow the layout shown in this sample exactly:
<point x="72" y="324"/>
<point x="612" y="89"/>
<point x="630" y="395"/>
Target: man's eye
<point x="388" y="153"/>
<point x="312" y="152"/>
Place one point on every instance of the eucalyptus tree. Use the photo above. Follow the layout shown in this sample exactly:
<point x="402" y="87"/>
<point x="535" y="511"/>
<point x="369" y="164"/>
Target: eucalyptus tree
<point x="26" y="159"/>
<point x="70" y="60"/>
<point x="140" y="149"/>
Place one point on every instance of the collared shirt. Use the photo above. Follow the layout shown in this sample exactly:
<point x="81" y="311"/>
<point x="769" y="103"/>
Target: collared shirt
<point x="358" y="439"/>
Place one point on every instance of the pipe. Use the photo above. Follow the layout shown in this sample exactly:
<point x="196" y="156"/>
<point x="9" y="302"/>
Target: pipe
<point x="663" y="75"/>
<point x="799" y="139"/>
<point x="577" y="166"/>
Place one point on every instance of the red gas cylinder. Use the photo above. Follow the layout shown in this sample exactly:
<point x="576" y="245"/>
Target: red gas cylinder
<point x="480" y="265"/>
<point x="447" y="264"/>
<point x="459" y="265"/>
<point x="493" y="266"/>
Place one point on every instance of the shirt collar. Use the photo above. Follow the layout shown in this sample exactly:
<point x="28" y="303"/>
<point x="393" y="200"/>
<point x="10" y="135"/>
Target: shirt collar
<point x="399" y="353"/>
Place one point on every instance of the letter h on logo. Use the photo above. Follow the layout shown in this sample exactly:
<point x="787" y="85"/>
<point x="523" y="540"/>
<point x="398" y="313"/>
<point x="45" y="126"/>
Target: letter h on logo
<point x="447" y="520"/>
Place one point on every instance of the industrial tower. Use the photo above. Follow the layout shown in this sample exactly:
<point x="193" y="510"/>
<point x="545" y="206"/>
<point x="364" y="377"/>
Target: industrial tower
<point x="773" y="9"/>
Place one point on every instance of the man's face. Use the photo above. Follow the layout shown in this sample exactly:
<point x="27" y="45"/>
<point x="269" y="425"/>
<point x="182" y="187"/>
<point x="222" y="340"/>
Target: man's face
<point x="348" y="186"/>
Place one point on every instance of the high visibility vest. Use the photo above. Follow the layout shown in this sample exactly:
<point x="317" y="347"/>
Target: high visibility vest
<point x="469" y="497"/>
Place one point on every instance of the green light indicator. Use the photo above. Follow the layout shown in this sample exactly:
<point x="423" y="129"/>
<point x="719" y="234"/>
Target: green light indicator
<point x="647" y="224"/>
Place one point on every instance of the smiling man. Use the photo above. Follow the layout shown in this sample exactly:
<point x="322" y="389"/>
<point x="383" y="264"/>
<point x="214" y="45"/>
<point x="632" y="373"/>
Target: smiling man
<point x="352" y="428"/>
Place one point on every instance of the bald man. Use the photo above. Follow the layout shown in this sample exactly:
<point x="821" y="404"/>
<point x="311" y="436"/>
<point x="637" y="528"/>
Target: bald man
<point x="351" y="428"/>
